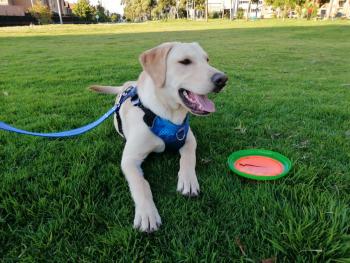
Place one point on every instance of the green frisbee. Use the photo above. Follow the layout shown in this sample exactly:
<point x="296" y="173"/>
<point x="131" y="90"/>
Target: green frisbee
<point x="259" y="164"/>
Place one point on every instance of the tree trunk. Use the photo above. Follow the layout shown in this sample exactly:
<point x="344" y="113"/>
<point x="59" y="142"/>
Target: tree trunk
<point x="223" y="11"/>
<point x="194" y="9"/>
<point x="256" y="11"/>
<point x="330" y="9"/>
<point x="187" y="9"/>
<point x="206" y="10"/>
<point x="248" y="11"/>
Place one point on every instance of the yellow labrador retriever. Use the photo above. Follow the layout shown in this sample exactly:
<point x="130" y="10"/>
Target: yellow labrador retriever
<point x="175" y="80"/>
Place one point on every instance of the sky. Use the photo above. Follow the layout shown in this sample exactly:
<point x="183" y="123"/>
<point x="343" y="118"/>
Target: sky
<point x="112" y="5"/>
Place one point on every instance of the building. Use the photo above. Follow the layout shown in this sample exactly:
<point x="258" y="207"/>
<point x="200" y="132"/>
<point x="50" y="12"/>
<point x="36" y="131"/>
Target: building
<point x="14" y="7"/>
<point x="335" y="8"/>
<point x="346" y="9"/>
<point x="255" y="10"/>
<point x="19" y="7"/>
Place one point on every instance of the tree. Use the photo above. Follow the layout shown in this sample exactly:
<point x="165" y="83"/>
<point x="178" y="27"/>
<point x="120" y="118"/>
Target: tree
<point x="163" y="7"/>
<point x="101" y="12"/>
<point x="284" y="5"/>
<point x="138" y="9"/>
<point x="84" y="10"/>
<point x="41" y="12"/>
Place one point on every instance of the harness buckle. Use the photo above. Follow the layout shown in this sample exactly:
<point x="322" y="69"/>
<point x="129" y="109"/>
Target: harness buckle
<point x="180" y="135"/>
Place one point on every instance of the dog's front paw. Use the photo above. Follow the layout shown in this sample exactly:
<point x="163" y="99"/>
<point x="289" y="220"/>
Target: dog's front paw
<point x="188" y="184"/>
<point x="147" y="218"/>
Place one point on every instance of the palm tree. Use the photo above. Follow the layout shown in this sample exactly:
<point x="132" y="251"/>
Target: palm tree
<point x="257" y="5"/>
<point x="248" y="10"/>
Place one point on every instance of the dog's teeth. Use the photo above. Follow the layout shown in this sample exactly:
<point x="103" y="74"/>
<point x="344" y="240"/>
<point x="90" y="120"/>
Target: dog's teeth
<point x="190" y="99"/>
<point x="186" y="96"/>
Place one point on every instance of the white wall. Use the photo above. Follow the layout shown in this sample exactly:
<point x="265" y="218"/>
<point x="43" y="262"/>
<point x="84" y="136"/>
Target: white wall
<point x="217" y="5"/>
<point x="113" y="6"/>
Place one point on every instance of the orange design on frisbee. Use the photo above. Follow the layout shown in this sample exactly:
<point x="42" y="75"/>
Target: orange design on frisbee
<point x="259" y="165"/>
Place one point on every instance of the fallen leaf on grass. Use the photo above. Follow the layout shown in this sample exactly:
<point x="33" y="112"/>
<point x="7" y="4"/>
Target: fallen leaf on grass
<point x="241" y="247"/>
<point x="275" y="135"/>
<point x="268" y="260"/>
<point x="205" y="160"/>
<point x="302" y="145"/>
<point x="240" y="128"/>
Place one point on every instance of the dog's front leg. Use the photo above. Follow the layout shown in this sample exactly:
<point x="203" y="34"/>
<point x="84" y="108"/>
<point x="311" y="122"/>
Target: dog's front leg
<point x="187" y="182"/>
<point x="147" y="218"/>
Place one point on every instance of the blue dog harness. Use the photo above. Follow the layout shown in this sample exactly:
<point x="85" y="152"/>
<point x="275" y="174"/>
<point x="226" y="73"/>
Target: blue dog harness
<point x="173" y="135"/>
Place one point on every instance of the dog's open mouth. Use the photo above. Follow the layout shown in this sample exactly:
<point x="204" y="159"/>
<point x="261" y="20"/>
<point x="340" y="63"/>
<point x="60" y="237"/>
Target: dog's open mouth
<point x="198" y="104"/>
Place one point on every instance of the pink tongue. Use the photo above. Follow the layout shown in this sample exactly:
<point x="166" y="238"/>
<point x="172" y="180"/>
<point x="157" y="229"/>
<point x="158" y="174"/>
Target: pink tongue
<point x="207" y="104"/>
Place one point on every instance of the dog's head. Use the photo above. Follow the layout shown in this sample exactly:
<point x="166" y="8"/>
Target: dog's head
<point x="181" y="73"/>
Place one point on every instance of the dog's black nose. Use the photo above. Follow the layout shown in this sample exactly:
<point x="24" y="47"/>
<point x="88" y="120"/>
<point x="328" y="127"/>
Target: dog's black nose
<point x="219" y="80"/>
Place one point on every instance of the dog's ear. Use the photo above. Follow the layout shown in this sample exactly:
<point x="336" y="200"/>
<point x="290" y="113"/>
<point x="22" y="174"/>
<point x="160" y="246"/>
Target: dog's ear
<point x="154" y="62"/>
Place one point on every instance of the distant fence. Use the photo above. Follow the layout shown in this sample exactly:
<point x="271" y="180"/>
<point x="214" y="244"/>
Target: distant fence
<point x="68" y="20"/>
<point x="17" y="20"/>
<point x="27" y="19"/>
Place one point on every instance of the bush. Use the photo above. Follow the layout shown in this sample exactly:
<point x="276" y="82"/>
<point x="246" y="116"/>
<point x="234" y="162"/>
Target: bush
<point x="156" y="13"/>
<point x="115" y="17"/>
<point x="314" y="12"/>
<point x="226" y="13"/>
<point x="182" y="12"/>
<point x="240" y="13"/>
<point x="41" y="12"/>
<point x="214" y="15"/>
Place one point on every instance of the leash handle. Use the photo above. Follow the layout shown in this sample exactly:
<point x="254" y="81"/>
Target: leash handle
<point x="6" y="127"/>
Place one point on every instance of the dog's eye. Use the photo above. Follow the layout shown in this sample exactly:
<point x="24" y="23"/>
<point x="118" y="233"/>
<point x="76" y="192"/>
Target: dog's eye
<point x="186" y="61"/>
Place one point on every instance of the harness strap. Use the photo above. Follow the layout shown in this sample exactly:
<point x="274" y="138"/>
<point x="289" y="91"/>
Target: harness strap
<point x="149" y="116"/>
<point x="130" y="92"/>
<point x="119" y="123"/>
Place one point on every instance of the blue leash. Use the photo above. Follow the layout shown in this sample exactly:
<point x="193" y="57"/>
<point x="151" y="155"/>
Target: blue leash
<point x="126" y="94"/>
<point x="6" y="127"/>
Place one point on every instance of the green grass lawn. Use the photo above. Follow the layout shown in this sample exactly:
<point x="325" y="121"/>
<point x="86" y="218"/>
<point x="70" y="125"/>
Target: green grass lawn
<point x="67" y="200"/>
